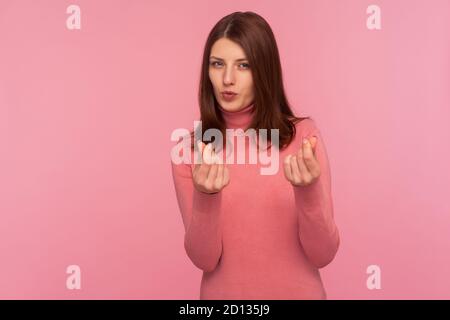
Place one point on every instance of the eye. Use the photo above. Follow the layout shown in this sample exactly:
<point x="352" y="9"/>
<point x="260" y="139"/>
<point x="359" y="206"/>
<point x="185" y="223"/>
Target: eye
<point x="213" y="63"/>
<point x="246" y="65"/>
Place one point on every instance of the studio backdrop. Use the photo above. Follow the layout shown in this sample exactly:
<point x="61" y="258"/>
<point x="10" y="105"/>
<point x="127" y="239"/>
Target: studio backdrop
<point x="91" y="92"/>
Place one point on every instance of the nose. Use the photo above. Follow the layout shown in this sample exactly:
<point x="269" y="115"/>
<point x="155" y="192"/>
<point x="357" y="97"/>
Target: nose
<point x="228" y="77"/>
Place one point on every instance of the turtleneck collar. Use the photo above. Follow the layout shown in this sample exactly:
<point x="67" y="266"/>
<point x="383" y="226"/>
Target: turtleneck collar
<point x="238" y="119"/>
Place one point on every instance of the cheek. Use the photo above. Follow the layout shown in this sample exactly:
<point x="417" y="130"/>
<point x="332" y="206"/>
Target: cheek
<point x="248" y="84"/>
<point x="214" y="78"/>
<point x="248" y="80"/>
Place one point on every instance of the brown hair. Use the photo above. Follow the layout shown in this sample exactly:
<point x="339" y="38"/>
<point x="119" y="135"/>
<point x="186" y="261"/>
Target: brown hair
<point x="272" y="110"/>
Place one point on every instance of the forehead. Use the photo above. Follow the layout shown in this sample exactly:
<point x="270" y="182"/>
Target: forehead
<point x="226" y="49"/>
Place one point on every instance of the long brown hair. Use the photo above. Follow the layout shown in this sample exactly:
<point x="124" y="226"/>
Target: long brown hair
<point x="272" y="110"/>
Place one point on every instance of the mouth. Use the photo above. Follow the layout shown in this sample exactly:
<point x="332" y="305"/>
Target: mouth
<point x="228" y="95"/>
<point x="228" y="92"/>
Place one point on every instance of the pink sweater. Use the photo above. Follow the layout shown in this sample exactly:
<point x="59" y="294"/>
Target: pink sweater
<point x="260" y="237"/>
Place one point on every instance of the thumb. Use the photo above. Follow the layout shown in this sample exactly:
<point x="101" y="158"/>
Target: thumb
<point x="201" y="146"/>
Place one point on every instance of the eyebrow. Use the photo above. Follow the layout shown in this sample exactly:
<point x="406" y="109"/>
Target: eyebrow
<point x="242" y="59"/>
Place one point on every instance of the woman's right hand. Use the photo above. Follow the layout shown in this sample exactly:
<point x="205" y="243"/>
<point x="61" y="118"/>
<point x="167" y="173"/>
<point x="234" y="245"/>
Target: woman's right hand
<point x="211" y="175"/>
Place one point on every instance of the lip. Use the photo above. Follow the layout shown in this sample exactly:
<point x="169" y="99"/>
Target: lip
<point x="228" y="95"/>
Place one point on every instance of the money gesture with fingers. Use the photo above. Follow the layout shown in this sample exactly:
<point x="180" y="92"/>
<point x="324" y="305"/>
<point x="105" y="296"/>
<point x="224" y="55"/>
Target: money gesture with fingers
<point x="303" y="168"/>
<point x="211" y="175"/>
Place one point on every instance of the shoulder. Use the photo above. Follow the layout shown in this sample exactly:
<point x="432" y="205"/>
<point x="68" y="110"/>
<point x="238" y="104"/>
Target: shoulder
<point x="306" y="127"/>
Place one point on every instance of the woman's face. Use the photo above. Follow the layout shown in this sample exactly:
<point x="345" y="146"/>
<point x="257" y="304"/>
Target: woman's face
<point x="229" y="71"/>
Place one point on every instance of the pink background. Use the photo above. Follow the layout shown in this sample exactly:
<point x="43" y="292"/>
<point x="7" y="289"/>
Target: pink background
<point x="86" y="117"/>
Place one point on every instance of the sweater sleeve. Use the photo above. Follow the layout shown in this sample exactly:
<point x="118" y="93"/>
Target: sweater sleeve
<point x="201" y="219"/>
<point x="318" y="233"/>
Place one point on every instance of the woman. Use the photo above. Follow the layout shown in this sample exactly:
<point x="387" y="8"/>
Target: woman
<point x="255" y="236"/>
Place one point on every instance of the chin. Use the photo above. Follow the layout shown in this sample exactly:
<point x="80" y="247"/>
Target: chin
<point x="231" y="108"/>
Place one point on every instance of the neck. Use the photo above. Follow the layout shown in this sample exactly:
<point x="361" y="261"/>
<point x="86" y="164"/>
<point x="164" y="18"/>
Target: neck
<point x="238" y="119"/>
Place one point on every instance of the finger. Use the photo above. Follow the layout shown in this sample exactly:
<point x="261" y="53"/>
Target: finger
<point x="313" y="141"/>
<point x="219" y="157"/>
<point x="296" y="176"/>
<point x="309" y="158"/>
<point x="226" y="175"/>
<point x="204" y="167"/>
<point x="204" y="153"/>
<point x="198" y="153"/>
<point x="201" y="145"/>
<point x="305" y="174"/>
<point x="306" y="148"/>
<point x="219" y="179"/>
<point x="212" y="174"/>
<point x="208" y="154"/>
<point x="287" y="167"/>
<point x="203" y="172"/>
<point x="200" y="148"/>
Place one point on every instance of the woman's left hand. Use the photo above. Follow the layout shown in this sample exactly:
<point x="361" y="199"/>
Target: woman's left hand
<point x="302" y="168"/>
